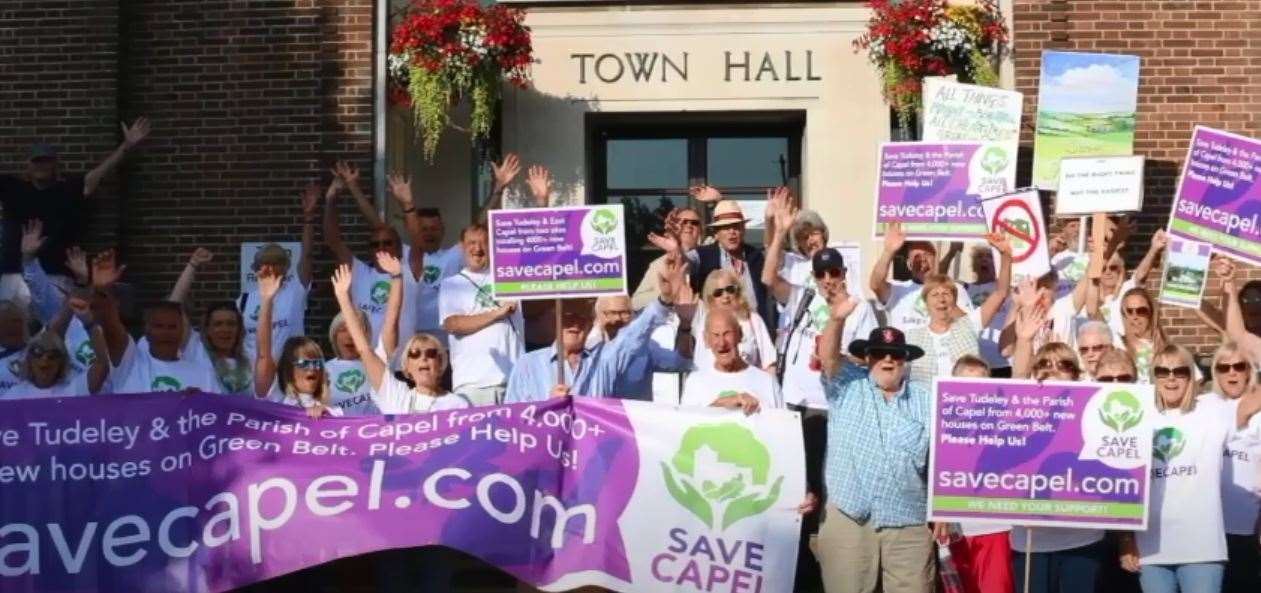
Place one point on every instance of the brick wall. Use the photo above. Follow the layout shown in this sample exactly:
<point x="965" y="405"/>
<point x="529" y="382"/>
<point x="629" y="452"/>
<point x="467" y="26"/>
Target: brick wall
<point x="1201" y="64"/>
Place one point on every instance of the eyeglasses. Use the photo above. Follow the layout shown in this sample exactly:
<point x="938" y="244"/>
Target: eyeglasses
<point x="1063" y="366"/>
<point x="426" y="353"/>
<point x="1177" y="372"/>
<point x="1093" y="349"/>
<point x="1115" y="379"/>
<point x="830" y="273"/>
<point x="1139" y="311"/>
<point x="1223" y="368"/>
<point x="308" y="364"/>
<point x="879" y="355"/>
<point x="730" y="289"/>
<point x="37" y="351"/>
<point x="696" y="222"/>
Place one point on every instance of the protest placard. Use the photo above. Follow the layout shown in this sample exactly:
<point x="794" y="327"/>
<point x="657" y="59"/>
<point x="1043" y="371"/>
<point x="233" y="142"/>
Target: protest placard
<point x="1086" y="107"/>
<point x="1100" y="184"/>
<point x="967" y="112"/>
<point x="546" y="253"/>
<point x="934" y="188"/>
<point x="206" y="493"/>
<point x="1219" y="199"/>
<point x="1018" y="215"/>
<point x="1186" y="273"/>
<point x="248" y="249"/>
<point x="1041" y="454"/>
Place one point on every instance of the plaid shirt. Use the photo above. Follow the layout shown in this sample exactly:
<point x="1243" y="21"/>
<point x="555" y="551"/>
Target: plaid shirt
<point x="877" y="452"/>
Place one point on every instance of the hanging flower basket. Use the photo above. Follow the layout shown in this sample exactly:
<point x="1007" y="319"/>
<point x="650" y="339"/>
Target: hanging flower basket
<point x="910" y="39"/>
<point x="445" y="50"/>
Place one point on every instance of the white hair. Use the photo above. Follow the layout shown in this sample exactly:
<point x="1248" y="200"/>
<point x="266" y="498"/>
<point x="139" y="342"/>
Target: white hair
<point x="1094" y="326"/>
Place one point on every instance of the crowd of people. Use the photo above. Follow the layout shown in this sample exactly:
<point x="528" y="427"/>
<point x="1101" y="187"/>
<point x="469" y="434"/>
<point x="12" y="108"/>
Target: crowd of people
<point x="726" y="322"/>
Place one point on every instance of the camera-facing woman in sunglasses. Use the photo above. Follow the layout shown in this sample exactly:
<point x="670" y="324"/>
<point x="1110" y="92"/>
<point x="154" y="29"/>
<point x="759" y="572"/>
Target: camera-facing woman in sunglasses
<point x="45" y="369"/>
<point x="423" y="360"/>
<point x="1115" y="366"/>
<point x="1234" y="383"/>
<point x="1184" y="547"/>
<point x="297" y="378"/>
<point x="1141" y="336"/>
<point x="723" y="290"/>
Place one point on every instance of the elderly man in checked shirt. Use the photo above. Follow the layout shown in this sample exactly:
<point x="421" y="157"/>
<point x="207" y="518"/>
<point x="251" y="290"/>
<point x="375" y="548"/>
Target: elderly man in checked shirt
<point x="873" y="531"/>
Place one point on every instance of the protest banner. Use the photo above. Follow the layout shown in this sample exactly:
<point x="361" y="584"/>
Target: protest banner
<point x="249" y="248"/>
<point x="934" y="188"/>
<point x="1186" y="273"/>
<point x="1100" y="184"/>
<point x="165" y="493"/>
<point x="1086" y="107"/>
<point x="1041" y="454"/>
<point x="967" y="112"/>
<point x="546" y="253"/>
<point x="1018" y="215"/>
<point x="1219" y="199"/>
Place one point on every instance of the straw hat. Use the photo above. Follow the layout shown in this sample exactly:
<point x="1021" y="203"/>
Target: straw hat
<point x="727" y="213"/>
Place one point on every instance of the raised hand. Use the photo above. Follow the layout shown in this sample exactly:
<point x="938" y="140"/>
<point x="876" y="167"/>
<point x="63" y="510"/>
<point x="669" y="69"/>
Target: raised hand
<point x="1026" y="293"/>
<point x="506" y="171"/>
<point x="200" y="256"/>
<point x="136" y="133"/>
<point x="705" y="194"/>
<point x="998" y="241"/>
<point x="389" y="264"/>
<point x="894" y="237"/>
<point x="1029" y="320"/>
<point x="559" y="390"/>
<point x="1160" y="241"/>
<point x="667" y="243"/>
<point x="842" y="304"/>
<point x="401" y="189"/>
<point x="268" y="285"/>
<point x="540" y="181"/>
<point x="672" y="278"/>
<point x="341" y="281"/>
<point x="311" y="200"/>
<point x="81" y="308"/>
<point x="32" y="237"/>
<point x="347" y="172"/>
<point x="106" y="270"/>
<point x="784" y="212"/>
<point x="1224" y="267"/>
<point x="77" y="263"/>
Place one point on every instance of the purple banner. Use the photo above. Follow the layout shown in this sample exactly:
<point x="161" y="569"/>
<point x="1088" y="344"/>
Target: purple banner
<point x="934" y="188"/>
<point x="545" y="253"/>
<point x="1219" y="198"/>
<point x="1054" y="454"/>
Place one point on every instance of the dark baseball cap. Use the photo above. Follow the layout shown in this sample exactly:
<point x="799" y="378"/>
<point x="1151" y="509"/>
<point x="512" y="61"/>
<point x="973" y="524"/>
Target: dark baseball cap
<point x="43" y="151"/>
<point x="827" y="259"/>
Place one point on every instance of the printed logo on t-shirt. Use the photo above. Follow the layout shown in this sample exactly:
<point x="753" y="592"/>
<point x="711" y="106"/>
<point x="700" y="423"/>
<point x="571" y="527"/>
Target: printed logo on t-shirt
<point x="921" y="308"/>
<point x="165" y="383"/>
<point x="483" y="298"/>
<point x="978" y="299"/>
<point x="1168" y="443"/>
<point x="431" y="274"/>
<point x="254" y="314"/>
<point x="85" y="354"/>
<point x="380" y="292"/>
<point x="727" y="393"/>
<point x="349" y="381"/>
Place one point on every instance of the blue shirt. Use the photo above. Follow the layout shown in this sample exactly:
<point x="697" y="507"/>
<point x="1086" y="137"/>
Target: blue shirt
<point x="599" y="369"/>
<point x="636" y="382"/>
<point x="877" y="452"/>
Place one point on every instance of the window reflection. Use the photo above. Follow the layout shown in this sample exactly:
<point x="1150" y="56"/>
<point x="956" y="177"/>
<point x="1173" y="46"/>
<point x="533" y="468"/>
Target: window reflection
<point x="747" y="162"/>
<point x="646" y="163"/>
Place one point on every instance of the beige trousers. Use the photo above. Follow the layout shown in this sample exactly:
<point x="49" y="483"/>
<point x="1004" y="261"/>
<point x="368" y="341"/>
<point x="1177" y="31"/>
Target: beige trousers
<point x="855" y="558"/>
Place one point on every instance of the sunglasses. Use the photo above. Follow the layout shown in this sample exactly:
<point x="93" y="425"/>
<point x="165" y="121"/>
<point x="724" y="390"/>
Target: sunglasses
<point x="1139" y="311"/>
<point x="40" y="352"/>
<point x="308" y="364"/>
<point x="1093" y="349"/>
<point x="895" y="355"/>
<point x="1177" y="372"/>
<point x="1115" y="379"/>
<point x="1224" y="368"/>
<point x="1114" y="268"/>
<point x="1064" y="366"/>
<point x="731" y="289"/>
<point x="830" y="273"/>
<point x="426" y="353"/>
<point x="690" y="222"/>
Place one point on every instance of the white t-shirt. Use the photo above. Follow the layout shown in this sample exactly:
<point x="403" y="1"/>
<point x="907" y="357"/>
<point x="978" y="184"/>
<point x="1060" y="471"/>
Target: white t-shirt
<point x="484" y="358"/>
<point x="370" y="291"/>
<point x="802" y="385"/>
<point x="79" y="346"/>
<point x="140" y="372"/>
<point x="74" y="385"/>
<point x="303" y="400"/>
<point x="395" y="397"/>
<point x="756" y="347"/>
<point x="1241" y="490"/>
<point x="348" y="386"/>
<point x="288" y="316"/>
<point x="439" y="266"/>
<point x="1060" y="326"/>
<point x="236" y="380"/>
<point x="11" y="370"/>
<point x="707" y="384"/>
<point x="1185" y="524"/>
<point x="987" y="337"/>
<point x="906" y="308"/>
<point x="1071" y="267"/>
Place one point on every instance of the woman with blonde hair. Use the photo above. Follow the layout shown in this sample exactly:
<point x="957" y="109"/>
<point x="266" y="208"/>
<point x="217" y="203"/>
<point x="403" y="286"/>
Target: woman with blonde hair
<point x="1184" y="546"/>
<point x="1142" y="335"/>
<point x="723" y="290"/>
<point x="347" y="378"/>
<point x="297" y="378"/>
<point x="1234" y="383"/>
<point x="45" y="369"/>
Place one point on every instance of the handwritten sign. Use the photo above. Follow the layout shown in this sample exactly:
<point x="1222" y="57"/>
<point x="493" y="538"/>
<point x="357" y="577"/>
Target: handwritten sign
<point x="955" y="111"/>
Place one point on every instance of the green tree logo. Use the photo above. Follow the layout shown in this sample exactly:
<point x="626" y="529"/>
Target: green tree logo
<point x="604" y="221"/>
<point x="1121" y="411"/>
<point x="165" y="383"/>
<point x="1168" y="443"/>
<point x="380" y="292"/>
<point x="721" y="473"/>
<point x="431" y="274"/>
<point x="85" y="354"/>
<point x="350" y="381"/>
<point x="254" y="314"/>
<point x="994" y="160"/>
